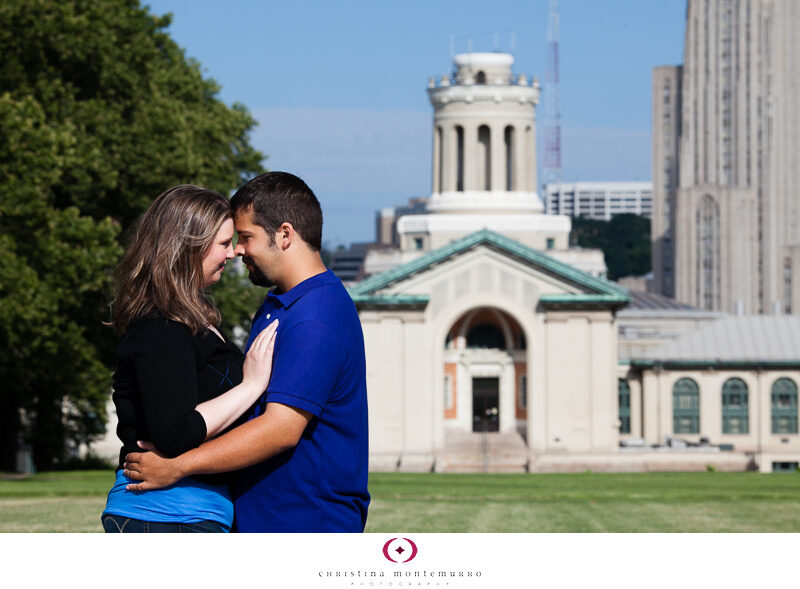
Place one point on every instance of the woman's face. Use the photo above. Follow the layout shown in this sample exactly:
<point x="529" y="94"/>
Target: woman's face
<point x="220" y="251"/>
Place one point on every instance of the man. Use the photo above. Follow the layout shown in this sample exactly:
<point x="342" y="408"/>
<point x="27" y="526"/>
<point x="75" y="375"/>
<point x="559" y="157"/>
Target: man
<point x="302" y="455"/>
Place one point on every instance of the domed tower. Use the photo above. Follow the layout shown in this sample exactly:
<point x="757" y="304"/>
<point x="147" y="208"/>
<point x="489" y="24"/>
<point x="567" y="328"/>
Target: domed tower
<point x="484" y="136"/>
<point x="484" y="159"/>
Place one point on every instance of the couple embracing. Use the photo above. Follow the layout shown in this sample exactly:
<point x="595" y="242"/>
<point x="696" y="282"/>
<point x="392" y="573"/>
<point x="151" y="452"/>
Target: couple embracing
<point x="237" y="442"/>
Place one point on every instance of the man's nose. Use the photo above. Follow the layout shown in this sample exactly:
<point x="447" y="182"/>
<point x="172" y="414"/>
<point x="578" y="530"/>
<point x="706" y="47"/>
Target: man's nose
<point x="239" y="249"/>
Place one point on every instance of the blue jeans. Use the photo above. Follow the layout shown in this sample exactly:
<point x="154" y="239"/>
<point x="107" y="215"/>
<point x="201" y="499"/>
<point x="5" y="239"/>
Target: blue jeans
<point x="119" y="524"/>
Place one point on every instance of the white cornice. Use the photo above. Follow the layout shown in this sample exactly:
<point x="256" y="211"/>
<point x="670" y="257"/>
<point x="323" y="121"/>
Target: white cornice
<point x="468" y="94"/>
<point x="485" y="201"/>
<point x="468" y="223"/>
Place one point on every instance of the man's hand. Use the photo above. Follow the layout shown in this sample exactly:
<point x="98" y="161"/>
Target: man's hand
<point x="152" y="468"/>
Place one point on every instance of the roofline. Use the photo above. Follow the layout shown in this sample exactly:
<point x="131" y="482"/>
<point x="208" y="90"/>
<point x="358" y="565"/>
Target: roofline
<point x="409" y="302"/>
<point x="385" y="279"/>
<point x="573" y="301"/>
<point x="714" y="363"/>
<point x="671" y="313"/>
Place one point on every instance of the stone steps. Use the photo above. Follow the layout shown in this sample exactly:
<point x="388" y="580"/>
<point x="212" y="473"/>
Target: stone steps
<point x="490" y="452"/>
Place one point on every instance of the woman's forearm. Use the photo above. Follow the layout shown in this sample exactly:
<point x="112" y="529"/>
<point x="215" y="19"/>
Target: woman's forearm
<point x="219" y="413"/>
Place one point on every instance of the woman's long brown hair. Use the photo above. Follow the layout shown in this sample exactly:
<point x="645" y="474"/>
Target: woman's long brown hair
<point x="162" y="269"/>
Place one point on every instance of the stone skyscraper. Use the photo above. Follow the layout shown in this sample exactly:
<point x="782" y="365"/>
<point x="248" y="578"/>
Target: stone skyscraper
<point x="726" y="160"/>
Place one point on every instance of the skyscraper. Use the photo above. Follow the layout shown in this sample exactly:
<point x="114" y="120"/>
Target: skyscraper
<point x="727" y="126"/>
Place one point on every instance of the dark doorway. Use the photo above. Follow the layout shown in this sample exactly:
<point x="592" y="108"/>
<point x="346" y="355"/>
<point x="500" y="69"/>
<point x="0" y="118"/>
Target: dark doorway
<point x="485" y="404"/>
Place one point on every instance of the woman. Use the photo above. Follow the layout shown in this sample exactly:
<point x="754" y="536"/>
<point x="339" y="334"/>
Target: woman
<point x="178" y="380"/>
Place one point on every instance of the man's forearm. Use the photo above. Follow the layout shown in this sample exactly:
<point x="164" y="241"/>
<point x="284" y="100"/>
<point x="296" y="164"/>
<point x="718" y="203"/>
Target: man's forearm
<point x="276" y="431"/>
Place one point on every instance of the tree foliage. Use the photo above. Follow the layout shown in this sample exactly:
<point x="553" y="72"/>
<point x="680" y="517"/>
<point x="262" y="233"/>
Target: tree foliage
<point x="100" y="111"/>
<point x="625" y="241"/>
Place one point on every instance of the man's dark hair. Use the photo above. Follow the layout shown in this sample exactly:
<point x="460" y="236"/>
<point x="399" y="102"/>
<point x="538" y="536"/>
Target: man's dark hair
<point x="274" y="198"/>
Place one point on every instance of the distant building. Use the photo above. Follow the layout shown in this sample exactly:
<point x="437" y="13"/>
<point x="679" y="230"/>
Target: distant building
<point x="599" y="200"/>
<point x="386" y="220"/>
<point x="733" y="381"/>
<point x="347" y="263"/>
<point x="727" y="126"/>
<point x="666" y="135"/>
<point x="492" y="345"/>
<point x="484" y="171"/>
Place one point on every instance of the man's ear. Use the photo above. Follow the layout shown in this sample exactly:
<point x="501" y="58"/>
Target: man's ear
<point x="285" y="235"/>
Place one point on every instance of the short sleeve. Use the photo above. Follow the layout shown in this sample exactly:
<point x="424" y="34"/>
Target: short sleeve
<point x="165" y="366"/>
<point x="308" y="361"/>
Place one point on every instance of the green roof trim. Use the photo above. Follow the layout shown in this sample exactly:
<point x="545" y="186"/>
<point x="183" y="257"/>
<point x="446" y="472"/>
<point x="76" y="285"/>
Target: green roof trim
<point x="580" y="278"/>
<point x="582" y="298"/>
<point x="710" y="363"/>
<point x="390" y="300"/>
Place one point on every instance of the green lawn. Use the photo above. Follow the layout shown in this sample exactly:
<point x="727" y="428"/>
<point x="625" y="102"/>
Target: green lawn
<point x="590" y="502"/>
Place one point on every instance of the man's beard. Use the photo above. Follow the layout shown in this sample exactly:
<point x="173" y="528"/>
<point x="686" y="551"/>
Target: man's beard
<point x="255" y="273"/>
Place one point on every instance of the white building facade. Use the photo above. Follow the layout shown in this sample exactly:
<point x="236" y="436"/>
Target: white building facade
<point x="599" y="200"/>
<point x="493" y="346"/>
<point x="473" y="338"/>
<point x="734" y="218"/>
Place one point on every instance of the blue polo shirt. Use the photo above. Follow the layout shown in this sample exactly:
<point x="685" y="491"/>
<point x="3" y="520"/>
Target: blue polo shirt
<point x="320" y="485"/>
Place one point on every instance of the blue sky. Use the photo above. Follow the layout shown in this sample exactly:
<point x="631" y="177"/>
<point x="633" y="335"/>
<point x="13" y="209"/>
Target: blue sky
<point x="338" y="87"/>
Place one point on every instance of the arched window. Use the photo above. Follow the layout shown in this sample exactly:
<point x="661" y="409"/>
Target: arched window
<point x="685" y="407"/>
<point x="484" y="158"/>
<point x="481" y="77"/>
<point x="486" y="335"/>
<point x="624" y="396"/>
<point x="735" y="419"/>
<point x="511" y="172"/>
<point x="784" y="406"/>
<point x="707" y="262"/>
<point x="459" y="158"/>
<point x="787" y="286"/>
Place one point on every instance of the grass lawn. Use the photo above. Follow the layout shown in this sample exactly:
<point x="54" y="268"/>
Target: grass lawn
<point x="590" y="502"/>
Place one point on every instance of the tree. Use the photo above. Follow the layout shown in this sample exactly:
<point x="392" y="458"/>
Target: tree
<point x="625" y="241"/>
<point x="100" y="111"/>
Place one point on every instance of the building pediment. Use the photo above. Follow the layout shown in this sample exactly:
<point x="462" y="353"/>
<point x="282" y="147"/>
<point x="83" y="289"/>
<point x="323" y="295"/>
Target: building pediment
<point x="488" y="262"/>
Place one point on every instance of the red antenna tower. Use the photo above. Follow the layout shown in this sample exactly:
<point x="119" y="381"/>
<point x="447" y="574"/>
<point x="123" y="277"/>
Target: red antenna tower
<point x="552" y="106"/>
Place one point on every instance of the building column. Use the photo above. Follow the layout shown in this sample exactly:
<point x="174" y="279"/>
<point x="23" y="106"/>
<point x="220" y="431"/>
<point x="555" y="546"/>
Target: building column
<point x="507" y="397"/>
<point x="521" y="174"/>
<point x="530" y="159"/>
<point x="437" y="158"/>
<point x="651" y="406"/>
<point x="635" y="386"/>
<point x="762" y="414"/>
<point x="463" y="397"/>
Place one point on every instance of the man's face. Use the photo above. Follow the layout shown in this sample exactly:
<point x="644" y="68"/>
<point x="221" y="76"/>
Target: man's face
<point x="260" y="256"/>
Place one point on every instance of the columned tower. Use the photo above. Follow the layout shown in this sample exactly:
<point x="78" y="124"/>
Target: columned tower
<point x="484" y="137"/>
<point x="484" y="160"/>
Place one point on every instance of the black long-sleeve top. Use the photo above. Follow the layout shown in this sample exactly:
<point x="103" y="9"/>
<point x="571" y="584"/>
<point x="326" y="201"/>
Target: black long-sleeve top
<point x="163" y="372"/>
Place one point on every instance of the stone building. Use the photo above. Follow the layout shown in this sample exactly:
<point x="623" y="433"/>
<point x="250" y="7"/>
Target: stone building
<point x="484" y="170"/>
<point x="732" y="381"/>
<point x="475" y="337"/>
<point x="726" y="127"/>
<point x="490" y="348"/>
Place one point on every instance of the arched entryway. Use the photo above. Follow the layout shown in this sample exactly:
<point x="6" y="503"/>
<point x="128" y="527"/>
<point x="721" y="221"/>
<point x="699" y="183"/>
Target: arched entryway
<point x="485" y="368"/>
